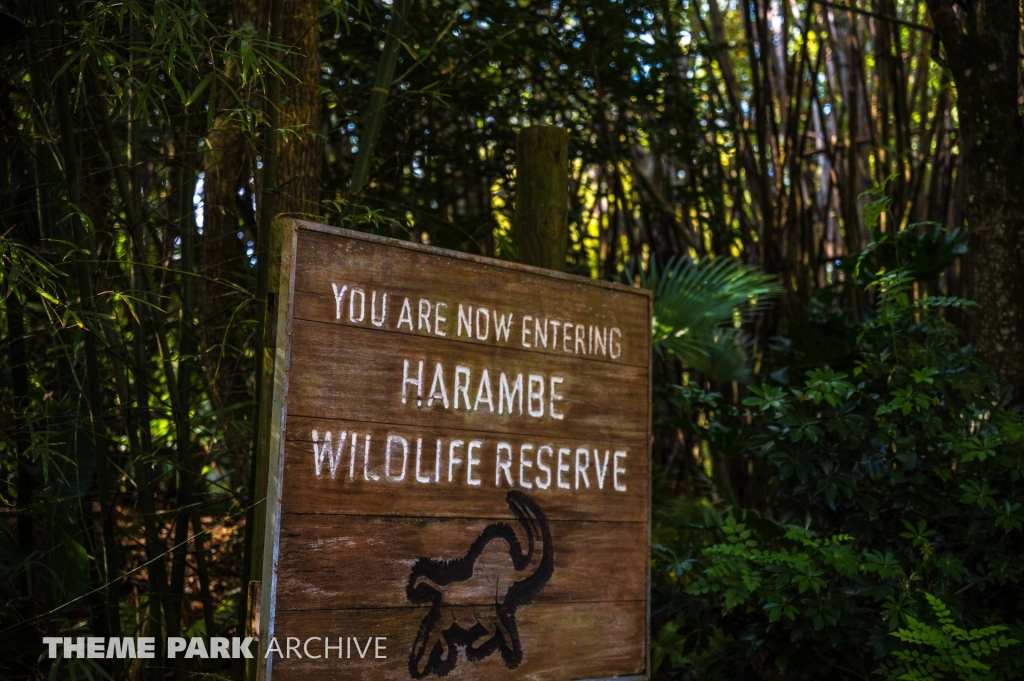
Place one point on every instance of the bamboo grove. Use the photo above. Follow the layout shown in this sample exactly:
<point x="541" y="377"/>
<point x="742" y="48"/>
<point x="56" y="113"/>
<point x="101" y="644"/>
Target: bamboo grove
<point x="147" y="147"/>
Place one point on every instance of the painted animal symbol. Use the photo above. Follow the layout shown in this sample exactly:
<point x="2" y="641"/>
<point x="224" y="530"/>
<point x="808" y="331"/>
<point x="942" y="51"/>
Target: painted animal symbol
<point x="474" y="598"/>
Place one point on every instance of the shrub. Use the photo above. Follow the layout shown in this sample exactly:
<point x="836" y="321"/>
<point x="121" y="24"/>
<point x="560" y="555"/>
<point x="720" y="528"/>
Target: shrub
<point x="892" y="546"/>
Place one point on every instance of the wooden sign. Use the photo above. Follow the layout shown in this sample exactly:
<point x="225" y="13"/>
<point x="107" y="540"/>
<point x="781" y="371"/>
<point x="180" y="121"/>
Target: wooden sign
<point x="460" y="470"/>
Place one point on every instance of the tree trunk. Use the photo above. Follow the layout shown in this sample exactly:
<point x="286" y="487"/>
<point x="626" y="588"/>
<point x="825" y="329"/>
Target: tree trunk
<point x="981" y="44"/>
<point x="221" y="257"/>
<point x="300" y="153"/>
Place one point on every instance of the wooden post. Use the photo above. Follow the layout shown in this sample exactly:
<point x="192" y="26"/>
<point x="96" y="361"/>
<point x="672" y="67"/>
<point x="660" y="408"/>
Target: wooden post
<point x="268" y="245"/>
<point x="541" y="222"/>
<point x="268" y="289"/>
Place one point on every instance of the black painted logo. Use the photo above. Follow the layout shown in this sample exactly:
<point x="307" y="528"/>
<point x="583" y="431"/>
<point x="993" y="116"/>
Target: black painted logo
<point x="495" y="565"/>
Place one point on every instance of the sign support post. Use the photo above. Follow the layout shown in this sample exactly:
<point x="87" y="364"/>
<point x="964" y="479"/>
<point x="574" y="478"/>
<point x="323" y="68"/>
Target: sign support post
<point x="540" y="224"/>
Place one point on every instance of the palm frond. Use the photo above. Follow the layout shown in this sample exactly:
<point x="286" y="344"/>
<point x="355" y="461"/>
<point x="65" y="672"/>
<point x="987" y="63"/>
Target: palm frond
<point x="699" y="304"/>
<point x="726" y="357"/>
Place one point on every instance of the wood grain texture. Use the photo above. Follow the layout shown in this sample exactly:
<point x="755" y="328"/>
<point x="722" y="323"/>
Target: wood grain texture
<point x="496" y="286"/>
<point x="379" y="552"/>
<point x="560" y="642"/>
<point x="347" y="544"/>
<point x="305" y="492"/>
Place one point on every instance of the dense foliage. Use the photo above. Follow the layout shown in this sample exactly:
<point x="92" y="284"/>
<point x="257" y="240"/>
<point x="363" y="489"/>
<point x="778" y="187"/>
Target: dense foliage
<point x="709" y="141"/>
<point x="892" y="544"/>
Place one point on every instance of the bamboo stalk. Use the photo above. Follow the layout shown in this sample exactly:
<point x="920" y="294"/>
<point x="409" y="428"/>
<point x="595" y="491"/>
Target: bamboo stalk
<point x="188" y="476"/>
<point x="203" y="573"/>
<point x="14" y="309"/>
<point x="22" y="441"/>
<point x="374" y="120"/>
<point x="140" y="440"/>
<point x="111" y="621"/>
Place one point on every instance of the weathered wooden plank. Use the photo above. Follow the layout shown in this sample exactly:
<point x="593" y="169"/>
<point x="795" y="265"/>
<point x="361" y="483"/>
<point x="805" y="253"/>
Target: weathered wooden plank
<point x="559" y="642"/>
<point x="330" y="264"/>
<point x="495" y="501"/>
<point x="588" y="478"/>
<point x="349" y="373"/>
<point x="379" y="553"/>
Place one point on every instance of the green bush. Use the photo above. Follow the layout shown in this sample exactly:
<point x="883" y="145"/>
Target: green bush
<point x="891" y="544"/>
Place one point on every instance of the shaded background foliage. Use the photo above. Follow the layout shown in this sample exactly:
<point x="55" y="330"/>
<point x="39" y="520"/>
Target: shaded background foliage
<point x="885" y="542"/>
<point x="147" y="146"/>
